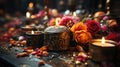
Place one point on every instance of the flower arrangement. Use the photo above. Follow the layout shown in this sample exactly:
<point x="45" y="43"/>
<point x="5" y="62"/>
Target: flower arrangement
<point x="85" y="31"/>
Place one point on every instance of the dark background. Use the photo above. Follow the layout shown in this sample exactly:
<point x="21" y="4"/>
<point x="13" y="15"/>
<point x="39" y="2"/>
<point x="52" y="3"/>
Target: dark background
<point x="90" y="6"/>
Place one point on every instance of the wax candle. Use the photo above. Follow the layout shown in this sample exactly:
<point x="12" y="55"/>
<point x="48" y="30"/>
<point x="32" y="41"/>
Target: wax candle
<point x="57" y="37"/>
<point x="26" y="29"/>
<point x="102" y="50"/>
<point x="103" y="43"/>
<point x="28" y="15"/>
<point x="74" y="14"/>
<point x="35" y="39"/>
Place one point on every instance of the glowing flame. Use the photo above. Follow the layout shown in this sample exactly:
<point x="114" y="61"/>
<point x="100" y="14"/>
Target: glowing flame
<point x="103" y="40"/>
<point x="57" y="21"/>
<point x="107" y="1"/>
<point x="32" y="16"/>
<point x="27" y="14"/>
<point x="74" y="14"/>
<point x="31" y="5"/>
<point x="32" y="32"/>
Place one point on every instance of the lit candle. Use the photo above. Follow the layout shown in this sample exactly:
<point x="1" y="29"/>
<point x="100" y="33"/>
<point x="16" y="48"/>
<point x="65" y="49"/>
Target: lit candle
<point x="26" y="29"/>
<point x="102" y="50"/>
<point x="103" y="43"/>
<point x="28" y="15"/>
<point x="74" y="14"/>
<point x="35" y="39"/>
<point x="56" y="28"/>
<point x="32" y="32"/>
<point x="57" y="37"/>
<point x="30" y="5"/>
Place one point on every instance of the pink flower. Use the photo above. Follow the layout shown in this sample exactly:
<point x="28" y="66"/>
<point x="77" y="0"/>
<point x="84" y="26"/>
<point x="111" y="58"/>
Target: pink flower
<point x="105" y="18"/>
<point x="67" y="21"/>
<point x="92" y="26"/>
<point x="104" y="28"/>
<point x="82" y="57"/>
<point x="119" y="43"/>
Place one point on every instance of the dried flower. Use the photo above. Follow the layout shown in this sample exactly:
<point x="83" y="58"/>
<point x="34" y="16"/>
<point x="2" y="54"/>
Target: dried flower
<point x="82" y="57"/>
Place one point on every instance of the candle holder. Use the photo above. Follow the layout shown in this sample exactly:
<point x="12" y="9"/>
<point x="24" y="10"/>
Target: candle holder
<point x="35" y="40"/>
<point x="57" y="38"/>
<point x="102" y="53"/>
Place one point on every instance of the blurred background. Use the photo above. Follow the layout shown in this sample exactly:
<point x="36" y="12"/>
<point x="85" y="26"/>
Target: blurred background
<point x="13" y="7"/>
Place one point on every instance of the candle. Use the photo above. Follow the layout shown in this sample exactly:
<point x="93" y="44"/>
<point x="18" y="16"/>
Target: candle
<point x="26" y="29"/>
<point x="57" y="28"/>
<point x="28" y="15"/>
<point x="35" y="39"/>
<point x="57" y="37"/>
<point x="103" y="43"/>
<point x="102" y="50"/>
<point x="74" y="14"/>
<point x="30" y="5"/>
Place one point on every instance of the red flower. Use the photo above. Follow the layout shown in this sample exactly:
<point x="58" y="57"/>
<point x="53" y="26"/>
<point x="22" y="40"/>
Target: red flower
<point x="115" y="28"/>
<point x="114" y="36"/>
<point x="93" y="26"/>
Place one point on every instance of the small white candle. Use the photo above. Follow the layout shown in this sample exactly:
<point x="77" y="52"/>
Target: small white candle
<point x="56" y="28"/>
<point x="32" y="32"/>
<point x="74" y="14"/>
<point x="27" y="14"/>
<point x="30" y="5"/>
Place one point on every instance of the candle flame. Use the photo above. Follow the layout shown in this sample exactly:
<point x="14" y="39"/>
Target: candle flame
<point x="32" y="32"/>
<point x="32" y="16"/>
<point x="74" y="14"/>
<point x="107" y="1"/>
<point x="27" y="14"/>
<point x="31" y="5"/>
<point x="103" y="40"/>
<point x="57" y="21"/>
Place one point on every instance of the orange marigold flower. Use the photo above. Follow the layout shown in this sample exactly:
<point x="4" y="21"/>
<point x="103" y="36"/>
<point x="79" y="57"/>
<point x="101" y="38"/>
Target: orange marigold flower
<point x="82" y="36"/>
<point x="78" y="26"/>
